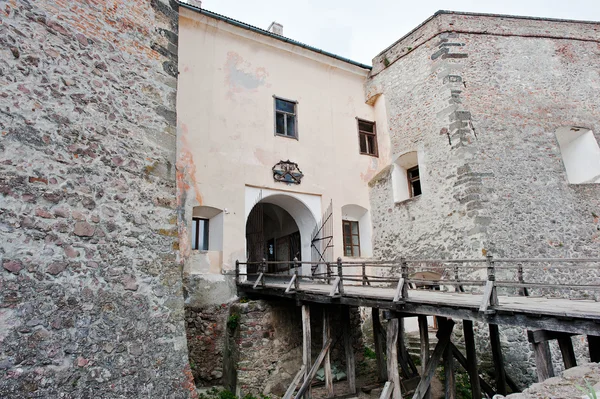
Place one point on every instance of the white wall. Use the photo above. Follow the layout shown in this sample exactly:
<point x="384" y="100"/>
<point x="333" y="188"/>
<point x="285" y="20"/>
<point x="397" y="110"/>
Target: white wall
<point x="580" y="154"/>
<point x="228" y="77"/>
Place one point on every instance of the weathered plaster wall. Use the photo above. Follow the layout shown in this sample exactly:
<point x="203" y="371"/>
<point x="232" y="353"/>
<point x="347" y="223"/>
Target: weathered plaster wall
<point x="481" y="103"/>
<point x="229" y="76"/>
<point x="90" y="288"/>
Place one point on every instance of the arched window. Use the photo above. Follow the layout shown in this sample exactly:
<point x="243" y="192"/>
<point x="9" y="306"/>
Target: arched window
<point x="580" y="154"/>
<point x="207" y="228"/>
<point x="406" y="177"/>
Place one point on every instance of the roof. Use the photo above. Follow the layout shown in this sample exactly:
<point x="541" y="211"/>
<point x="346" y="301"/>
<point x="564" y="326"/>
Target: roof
<point x="478" y="14"/>
<point x="244" y="25"/>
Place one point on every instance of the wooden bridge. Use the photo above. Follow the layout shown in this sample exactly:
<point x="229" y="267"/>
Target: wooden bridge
<point x="535" y="294"/>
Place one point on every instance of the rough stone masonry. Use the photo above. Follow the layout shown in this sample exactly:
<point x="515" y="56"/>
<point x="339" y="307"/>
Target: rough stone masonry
<point x="90" y="286"/>
<point x="480" y="98"/>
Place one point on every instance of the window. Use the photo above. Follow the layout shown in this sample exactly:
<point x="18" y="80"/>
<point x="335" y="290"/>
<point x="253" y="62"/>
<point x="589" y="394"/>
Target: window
<point x="414" y="181"/>
<point x="580" y="154"/>
<point x="200" y="234"/>
<point x="406" y="177"/>
<point x="351" y="238"/>
<point x="367" y="137"/>
<point x="285" y="118"/>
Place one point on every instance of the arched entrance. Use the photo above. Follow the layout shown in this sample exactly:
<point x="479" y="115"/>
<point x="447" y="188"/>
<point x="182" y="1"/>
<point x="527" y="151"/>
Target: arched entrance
<point x="279" y="228"/>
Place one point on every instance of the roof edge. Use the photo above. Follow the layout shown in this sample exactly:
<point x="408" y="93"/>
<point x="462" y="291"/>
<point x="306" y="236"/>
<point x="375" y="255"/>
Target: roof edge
<point x="480" y="14"/>
<point x="252" y="28"/>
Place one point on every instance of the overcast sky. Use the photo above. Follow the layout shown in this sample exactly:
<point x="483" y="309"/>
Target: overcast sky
<point x="360" y="29"/>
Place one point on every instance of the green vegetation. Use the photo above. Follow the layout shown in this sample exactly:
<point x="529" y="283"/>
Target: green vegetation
<point x="463" y="385"/>
<point x="232" y="323"/>
<point x="369" y="353"/>
<point x="588" y="390"/>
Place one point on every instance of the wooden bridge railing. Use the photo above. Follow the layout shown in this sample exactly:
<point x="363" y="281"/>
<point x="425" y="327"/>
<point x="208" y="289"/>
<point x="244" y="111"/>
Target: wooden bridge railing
<point x="505" y="274"/>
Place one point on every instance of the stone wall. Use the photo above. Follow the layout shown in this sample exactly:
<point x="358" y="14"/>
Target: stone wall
<point x="90" y="288"/>
<point x="481" y="98"/>
<point x="206" y="329"/>
<point x="263" y="344"/>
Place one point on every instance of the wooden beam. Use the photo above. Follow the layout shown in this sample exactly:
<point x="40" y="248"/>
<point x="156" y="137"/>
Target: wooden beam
<point x="392" y="357"/>
<point x="406" y="362"/>
<point x="290" y="391"/>
<point x="450" y="381"/>
<point x="388" y="388"/>
<point x="260" y="277"/>
<point x="399" y="291"/>
<point x="498" y="359"/>
<point x="327" y="359"/>
<point x="566" y="349"/>
<point x="334" y="287"/>
<point x="472" y="359"/>
<point x="487" y="388"/>
<point x="545" y="335"/>
<point x="350" y="363"/>
<point x="305" y="387"/>
<point x="379" y="342"/>
<point x="424" y="335"/>
<point x="306" y="345"/>
<point x="594" y="345"/>
<point x="289" y="290"/>
<point x="443" y="336"/>
<point x="487" y="299"/>
<point x="543" y="358"/>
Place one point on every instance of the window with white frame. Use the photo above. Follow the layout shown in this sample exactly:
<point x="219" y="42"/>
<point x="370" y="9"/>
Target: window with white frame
<point x="580" y="154"/>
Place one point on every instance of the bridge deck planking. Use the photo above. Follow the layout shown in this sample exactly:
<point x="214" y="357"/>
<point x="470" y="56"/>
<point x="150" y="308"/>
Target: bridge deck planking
<point x="534" y="306"/>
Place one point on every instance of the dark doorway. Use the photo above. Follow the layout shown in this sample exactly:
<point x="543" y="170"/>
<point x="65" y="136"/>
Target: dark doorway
<point x="272" y="234"/>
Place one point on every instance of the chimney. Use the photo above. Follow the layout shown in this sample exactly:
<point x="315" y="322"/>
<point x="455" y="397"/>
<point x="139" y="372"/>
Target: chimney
<point x="276" y="28"/>
<point x="195" y="3"/>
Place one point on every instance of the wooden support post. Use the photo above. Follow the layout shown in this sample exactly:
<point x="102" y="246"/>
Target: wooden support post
<point x="364" y="274"/>
<point x="498" y="359"/>
<point x="424" y="335"/>
<point x="404" y="278"/>
<point x="297" y="279"/>
<point x="594" y="345"/>
<point x="379" y="345"/>
<point x="328" y="272"/>
<point x="459" y="288"/>
<point x="463" y="362"/>
<point x="568" y="354"/>
<point x="541" y="350"/>
<point x="305" y="387"/>
<point x="327" y="360"/>
<point x="472" y="359"/>
<point x="237" y="272"/>
<point x="450" y="383"/>
<point x="306" y="345"/>
<point x="350" y="363"/>
<point x="388" y="388"/>
<point x="443" y="336"/>
<point x="340" y="275"/>
<point x="263" y="272"/>
<point x="543" y="360"/>
<point x="490" y="294"/>
<point x="523" y="290"/>
<point x="404" y="358"/>
<point x="392" y="357"/>
<point x="290" y="391"/>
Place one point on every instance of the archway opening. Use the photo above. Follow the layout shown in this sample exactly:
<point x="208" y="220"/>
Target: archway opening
<point x="279" y="228"/>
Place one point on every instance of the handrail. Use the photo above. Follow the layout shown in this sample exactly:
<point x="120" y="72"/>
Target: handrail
<point x="401" y="273"/>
